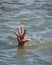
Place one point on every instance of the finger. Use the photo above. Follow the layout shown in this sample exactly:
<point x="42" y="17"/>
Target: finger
<point x="29" y="40"/>
<point x="16" y="33"/>
<point x="18" y="30"/>
<point x="21" y="29"/>
<point x="26" y="40"/>
<point x="24" y="33"/>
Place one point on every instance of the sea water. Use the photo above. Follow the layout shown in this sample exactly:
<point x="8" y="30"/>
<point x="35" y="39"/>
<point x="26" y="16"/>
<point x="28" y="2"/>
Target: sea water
<point x="36" y="16"/>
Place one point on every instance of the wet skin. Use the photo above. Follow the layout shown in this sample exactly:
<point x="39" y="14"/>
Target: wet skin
<point x="21" y="36"/>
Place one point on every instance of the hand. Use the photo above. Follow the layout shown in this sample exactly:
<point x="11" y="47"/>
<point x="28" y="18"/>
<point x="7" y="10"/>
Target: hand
<point x="21" y="36"/>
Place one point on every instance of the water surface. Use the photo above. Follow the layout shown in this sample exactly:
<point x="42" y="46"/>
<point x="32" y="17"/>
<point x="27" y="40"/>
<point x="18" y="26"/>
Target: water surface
<point x="36" y="16"/>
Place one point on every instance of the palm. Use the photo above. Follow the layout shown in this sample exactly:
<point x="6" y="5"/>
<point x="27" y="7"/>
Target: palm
<point x="21" y="36"/>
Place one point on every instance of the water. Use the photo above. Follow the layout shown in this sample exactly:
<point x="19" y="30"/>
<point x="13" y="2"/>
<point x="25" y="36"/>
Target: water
<point x="36" y="16"/>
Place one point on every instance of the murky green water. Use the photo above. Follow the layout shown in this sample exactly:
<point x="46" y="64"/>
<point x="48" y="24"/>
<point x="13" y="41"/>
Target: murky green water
<point x="36" y="16"/>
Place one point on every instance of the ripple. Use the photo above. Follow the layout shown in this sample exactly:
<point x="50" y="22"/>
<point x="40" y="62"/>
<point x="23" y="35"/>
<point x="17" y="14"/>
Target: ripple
<point x="29" y="2"/>
<point x="36" y="16"/>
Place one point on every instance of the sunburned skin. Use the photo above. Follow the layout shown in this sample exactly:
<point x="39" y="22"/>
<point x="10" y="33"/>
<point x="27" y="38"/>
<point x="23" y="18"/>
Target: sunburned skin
<point x="21" y="36"/>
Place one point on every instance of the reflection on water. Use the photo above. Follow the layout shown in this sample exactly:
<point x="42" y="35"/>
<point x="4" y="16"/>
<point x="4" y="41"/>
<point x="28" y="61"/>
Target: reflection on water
<point x="36" y="16"/>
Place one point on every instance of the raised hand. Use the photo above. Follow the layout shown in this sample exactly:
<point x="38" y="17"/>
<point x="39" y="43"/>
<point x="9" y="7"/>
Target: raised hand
<point x="21" y="36"/>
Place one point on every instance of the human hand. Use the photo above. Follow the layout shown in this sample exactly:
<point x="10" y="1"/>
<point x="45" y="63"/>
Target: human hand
<point x="21" y="36"/>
